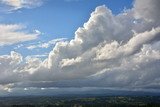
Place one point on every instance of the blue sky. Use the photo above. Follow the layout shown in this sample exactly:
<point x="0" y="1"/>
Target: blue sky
<point x="68" y="15"/>
<point x="56" y="19"/>
<point x="79" y="45"/>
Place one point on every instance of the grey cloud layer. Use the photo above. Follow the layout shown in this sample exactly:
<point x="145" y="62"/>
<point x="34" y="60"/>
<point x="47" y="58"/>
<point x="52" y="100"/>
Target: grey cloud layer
<point x="117" y="51"/>
<point x="148" y="10"/>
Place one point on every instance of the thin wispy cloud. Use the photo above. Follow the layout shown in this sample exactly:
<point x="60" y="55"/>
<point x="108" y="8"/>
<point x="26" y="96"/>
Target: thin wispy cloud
<point x="15" y="33"/>
<point x="46" y="44"/>
<point x="12" y="5"/>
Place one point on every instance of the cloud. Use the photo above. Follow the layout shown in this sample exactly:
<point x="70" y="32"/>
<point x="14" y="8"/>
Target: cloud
<point x="19" y="4"/>
<point x="39" y="55"/>
<point x="147" y="10"/>
<point x="47" y="44"/>
<point x="18" y="46"/>
<point x="14" y="33"/>
<point x="8" y="63"/>
<point x="69" y="62"/>
<point x="112" y="51"/>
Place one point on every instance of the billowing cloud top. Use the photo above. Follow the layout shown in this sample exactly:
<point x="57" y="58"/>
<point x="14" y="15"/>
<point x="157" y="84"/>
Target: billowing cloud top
<point x="113" y="51"/>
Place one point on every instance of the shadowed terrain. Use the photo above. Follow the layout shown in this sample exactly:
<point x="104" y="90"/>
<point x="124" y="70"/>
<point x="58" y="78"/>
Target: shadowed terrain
<point x="93" y="101"/>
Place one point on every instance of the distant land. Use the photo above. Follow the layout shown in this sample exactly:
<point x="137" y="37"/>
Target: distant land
<point x="94" y="98"/>
<point x="93" y="92"/>
<point x="83" y="101"/>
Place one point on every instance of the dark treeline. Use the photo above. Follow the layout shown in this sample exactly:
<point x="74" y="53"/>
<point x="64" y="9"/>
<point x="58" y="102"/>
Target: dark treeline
<point x="112" y="101"/>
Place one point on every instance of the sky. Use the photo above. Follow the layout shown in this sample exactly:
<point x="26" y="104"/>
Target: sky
<point x="77" y="46"/>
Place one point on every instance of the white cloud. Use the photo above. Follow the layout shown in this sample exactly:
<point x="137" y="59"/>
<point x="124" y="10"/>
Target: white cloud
<point x="108" y="51"/>
<point x="149" y="10"/>
<point x="18" y="46"/>
<point x="13" y="33"/>
<point x="47" y="44"/>
<point x="69" y="62"/>
<point x="18" y="4"/>
<point x="8" y="63"/>
<point x="39" y="55"/>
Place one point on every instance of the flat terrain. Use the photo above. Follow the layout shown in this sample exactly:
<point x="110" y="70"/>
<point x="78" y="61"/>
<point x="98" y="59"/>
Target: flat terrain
<point x="102" y="101"/>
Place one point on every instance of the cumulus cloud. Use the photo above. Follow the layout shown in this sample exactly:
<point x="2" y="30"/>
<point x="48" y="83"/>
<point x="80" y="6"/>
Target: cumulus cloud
<point x="112" y="51"/>
<point x="68" y="62"/>
<point x="147" y="10"/>
<point x="14" y="33"/>
<point x="18" y="4"/>
<point x="8" y="63"/>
